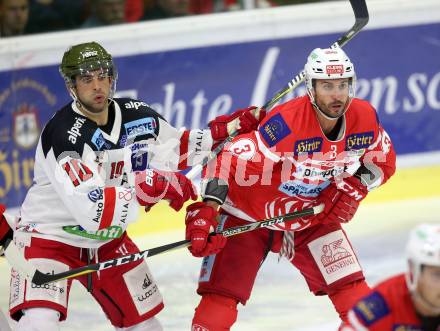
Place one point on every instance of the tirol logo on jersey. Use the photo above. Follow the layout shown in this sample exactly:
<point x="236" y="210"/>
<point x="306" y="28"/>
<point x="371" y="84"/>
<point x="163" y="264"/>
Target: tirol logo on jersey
<point x="359" y="140"/>
<point x="74" y="130"/>
<point x="98" y="139"/>
<point x="140" y="127"/>
<point x="274" y="130"/>
<point x="96" y="195"/>
<point x="334" y="69"/>
<point x="309" y="145"/>
<point x="295" y="188"/>
<point x="111" y="232"/>
<point x="139" y="157"/>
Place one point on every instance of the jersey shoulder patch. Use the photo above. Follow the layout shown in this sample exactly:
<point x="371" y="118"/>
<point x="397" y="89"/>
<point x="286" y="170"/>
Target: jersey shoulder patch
<point x="65" y="131"/>
<point x="371" y="308"/>
<point x="274" y="129"/>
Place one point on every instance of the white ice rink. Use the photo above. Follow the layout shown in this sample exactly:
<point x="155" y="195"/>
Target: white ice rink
<point x="280" y="299"/>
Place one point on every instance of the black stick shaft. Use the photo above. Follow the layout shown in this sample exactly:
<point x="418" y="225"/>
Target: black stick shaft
<point x="40" y="278"/>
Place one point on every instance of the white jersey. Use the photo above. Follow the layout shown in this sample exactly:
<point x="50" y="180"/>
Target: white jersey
<point x="83" y="192"/>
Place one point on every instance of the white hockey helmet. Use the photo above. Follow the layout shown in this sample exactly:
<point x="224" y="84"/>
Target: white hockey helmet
<point x="423" y="248"/>
<point x="328" y="63"/>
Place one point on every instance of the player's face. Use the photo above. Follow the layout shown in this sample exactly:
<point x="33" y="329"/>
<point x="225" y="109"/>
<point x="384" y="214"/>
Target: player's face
<point x="93" y="90"/>
<point x="332" y="96"/>
<point x="429" y="285"/>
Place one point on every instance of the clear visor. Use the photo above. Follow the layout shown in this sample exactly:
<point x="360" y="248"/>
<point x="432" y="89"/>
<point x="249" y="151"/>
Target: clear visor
<point x="90" y="69"/>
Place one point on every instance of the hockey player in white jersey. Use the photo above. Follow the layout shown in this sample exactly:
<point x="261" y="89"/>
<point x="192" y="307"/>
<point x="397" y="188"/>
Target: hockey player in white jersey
<point x="98" y="159"/>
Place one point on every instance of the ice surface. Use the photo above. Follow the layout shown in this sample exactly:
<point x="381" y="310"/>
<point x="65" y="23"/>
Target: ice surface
<point x="280" y="300"/>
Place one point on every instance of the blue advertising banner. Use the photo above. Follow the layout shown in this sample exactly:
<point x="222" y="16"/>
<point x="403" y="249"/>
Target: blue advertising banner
<point x="397" y="69"/>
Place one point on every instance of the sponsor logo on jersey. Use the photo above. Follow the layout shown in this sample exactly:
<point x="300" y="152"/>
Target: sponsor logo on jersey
<point x="359" y="140"/>
<point x="372" y="308"/>
<point x="334" y="69"/>
<point x="322" y="174"/>
<point x="274" y="130"/>
<point x="111" y="232"/>
<point x="309" y="145"/>
<point x="295" y="188"/>
<point x="98" y="211"/>
<point x="96" y="195"/>
<point x="98" y="139"/>
<point x="140" y="127"/>
<point x="74" y="130"/>
<point x="135" y="104"/>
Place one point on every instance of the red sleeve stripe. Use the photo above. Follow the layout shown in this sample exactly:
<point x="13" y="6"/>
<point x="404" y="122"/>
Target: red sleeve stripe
<point x="109" y="207"/>
<point x="184" y="141"/>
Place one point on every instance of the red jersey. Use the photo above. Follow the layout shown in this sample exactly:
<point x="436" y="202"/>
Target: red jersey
<point x="388" y="307"/>
<point x="284" y="165"/>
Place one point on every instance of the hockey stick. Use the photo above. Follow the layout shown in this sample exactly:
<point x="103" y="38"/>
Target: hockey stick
<point x="40" y="278"/>
<point x="360" y="11"/>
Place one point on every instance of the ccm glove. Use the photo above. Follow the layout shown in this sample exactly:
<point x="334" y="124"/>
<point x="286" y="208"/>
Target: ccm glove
<point x="201" y="219"/>
<point x="243" y="120"/>
<point x="154" y="185"/>
<point x="341" y="200"/>
<point x="5" y="230"/>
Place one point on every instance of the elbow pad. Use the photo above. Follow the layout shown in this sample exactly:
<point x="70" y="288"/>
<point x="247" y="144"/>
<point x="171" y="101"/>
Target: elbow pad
<point x="214" y="189"/>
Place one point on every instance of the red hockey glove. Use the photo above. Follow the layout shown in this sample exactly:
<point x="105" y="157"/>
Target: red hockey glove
<point x="342" y="201"/>
<point x="5" y="229"/>
<point x="200" y="221"/>
<point x="154" y="185"/>
<point x="353" y="187"/>
<point x="242" y="120"/>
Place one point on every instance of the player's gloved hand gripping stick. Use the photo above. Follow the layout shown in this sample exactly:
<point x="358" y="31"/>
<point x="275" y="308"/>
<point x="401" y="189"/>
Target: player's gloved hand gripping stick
<point x="39" y="278"/>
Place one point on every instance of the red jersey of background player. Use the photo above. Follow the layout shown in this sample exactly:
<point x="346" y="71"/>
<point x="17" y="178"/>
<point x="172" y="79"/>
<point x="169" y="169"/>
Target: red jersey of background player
<point x="285" y="165"/>
<point x="388" y="307"/>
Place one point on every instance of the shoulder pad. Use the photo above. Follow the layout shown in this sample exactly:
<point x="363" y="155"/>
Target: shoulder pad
<point x="64" y="132"/>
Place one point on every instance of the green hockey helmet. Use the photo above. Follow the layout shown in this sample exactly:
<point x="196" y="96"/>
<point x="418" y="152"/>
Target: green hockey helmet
<point x="83" y="58"/>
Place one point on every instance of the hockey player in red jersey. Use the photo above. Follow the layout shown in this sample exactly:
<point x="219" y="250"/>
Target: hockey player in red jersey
<point x="5" y="229"/>
<point x="326" y="147"/>
<point x="99" y="159"/>
<point x="409" y="301"/>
